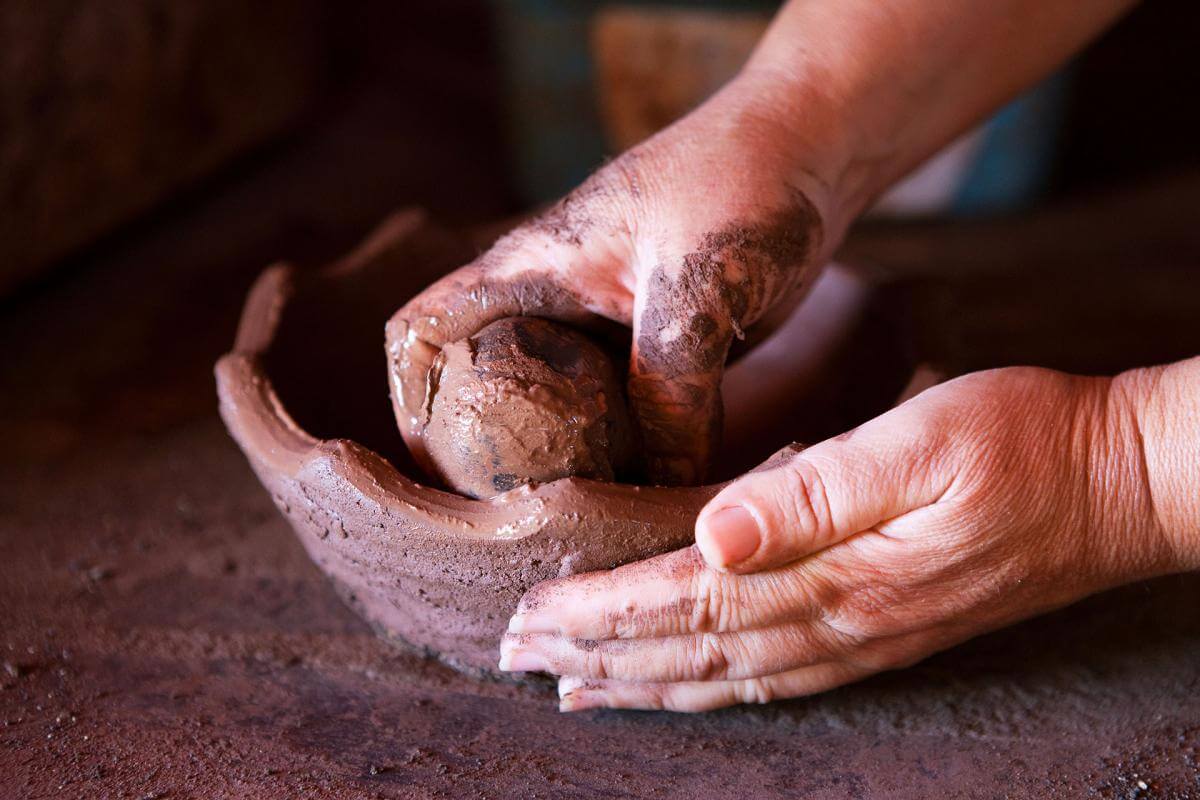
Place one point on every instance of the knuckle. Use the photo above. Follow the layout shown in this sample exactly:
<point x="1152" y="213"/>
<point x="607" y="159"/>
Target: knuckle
<point x="756" y="690"/>
<point x="520" y="248"/>
<point x="622" y="184"/>
<point x="632" y="621"/>
<point x="628" y="622"/>
<point x="704" y="659"/>
<point x="711" y="609"/>
<point x="658" y="698"/>
<point x="599" y="662"/>
<point x="804" y="500"/>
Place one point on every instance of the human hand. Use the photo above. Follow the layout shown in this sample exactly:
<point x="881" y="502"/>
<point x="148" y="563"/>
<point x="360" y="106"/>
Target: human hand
<point x="983" y="501"/>
<point x="688" y="239"/>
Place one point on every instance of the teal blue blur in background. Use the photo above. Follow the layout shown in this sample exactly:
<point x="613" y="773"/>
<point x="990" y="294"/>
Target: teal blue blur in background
<point x="557" y="139"/>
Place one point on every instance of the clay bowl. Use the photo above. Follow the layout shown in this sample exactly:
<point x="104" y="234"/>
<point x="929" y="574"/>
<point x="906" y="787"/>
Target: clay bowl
<point x="304" y="395"/>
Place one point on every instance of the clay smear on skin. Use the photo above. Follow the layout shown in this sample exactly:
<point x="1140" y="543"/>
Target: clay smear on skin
<point x="692" y="313"/>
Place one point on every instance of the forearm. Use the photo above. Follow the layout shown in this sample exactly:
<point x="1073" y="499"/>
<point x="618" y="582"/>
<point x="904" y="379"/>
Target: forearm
<point x="1165" y="403"/>
<point x="885" y="83"/>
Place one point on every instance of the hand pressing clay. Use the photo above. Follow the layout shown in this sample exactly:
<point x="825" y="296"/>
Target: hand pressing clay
<point x="525" y="400"/>
<point x="437" y="570"/>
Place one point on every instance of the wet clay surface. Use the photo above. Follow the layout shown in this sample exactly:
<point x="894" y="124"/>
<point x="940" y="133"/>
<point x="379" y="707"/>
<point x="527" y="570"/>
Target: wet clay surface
<point x="163" y="633"/>
<point x="427" y="568"/>
<point x="526" y="400"/>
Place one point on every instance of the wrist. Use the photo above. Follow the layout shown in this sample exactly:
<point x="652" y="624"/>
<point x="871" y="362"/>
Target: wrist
<point x="1164" y="407"/>
<point x="844" y="80"/>
<point x="805" y="134"/>
<point x="899" y="80"/>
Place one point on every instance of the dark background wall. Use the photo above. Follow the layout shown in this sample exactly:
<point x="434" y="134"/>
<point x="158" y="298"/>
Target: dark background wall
<point x="111" y="113"/>
<point x="1132" y="112"/>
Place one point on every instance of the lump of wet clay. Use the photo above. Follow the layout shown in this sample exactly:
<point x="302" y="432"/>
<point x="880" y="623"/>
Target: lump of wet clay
<point x="525" y="400"/>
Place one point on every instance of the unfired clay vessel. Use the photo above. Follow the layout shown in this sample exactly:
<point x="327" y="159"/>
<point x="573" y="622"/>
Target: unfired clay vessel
<point x="434" y="569"/>
<point x="427" y="567"/>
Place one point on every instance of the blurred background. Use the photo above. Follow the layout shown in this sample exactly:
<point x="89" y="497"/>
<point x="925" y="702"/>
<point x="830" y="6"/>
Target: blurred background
<point x="116" y="115"/>
<point x="155" y="155"/>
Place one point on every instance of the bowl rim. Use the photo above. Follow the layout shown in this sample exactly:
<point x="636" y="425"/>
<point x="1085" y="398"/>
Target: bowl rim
<point x="271" y="438"/>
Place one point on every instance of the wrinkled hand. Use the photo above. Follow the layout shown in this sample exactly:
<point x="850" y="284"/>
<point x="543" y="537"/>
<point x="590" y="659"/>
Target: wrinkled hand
<point x="688" y="239"/>
<point x="985" y="500"/>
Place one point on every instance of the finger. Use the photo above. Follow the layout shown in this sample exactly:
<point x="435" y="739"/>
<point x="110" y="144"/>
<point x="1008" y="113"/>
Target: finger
<point x="700" y="657"/>
<point x="689" y="308"/>
<point x="870" y="657"/>
<point x="681" y="340"/>
<point x="687" y="314"/>
<point x="579" y="694"/>
<point x="520" y="276"/>
<point x="669" y="595"/>
<point x="816" y="498"/>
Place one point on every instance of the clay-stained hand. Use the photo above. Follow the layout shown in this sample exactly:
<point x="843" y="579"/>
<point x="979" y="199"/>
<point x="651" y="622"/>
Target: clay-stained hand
<point x="688" y="239"/>
<point x="985" y="500"/>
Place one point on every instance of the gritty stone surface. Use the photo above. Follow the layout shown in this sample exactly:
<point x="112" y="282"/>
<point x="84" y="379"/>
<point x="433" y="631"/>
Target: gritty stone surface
<point x="213" y="659"/>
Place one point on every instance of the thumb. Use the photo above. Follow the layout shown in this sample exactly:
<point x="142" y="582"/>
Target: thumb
<point x="807" y="502"/>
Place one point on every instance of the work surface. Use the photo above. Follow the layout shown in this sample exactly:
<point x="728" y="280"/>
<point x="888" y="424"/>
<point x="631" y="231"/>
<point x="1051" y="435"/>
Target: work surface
<point x="163" y="635"/>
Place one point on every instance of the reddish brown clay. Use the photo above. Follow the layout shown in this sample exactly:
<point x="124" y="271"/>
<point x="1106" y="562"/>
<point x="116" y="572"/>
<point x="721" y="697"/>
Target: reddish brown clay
<point x="434" y="569"/>
<point x="437" y="570"/>
<point x="525" y="400"/>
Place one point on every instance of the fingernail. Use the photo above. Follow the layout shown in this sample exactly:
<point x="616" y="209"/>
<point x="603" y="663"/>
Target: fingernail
<point x="568" y="684"/>
<point x="729" y="536"/>
<point x="579" y="694"/>
<point x="580" y="700"/>
<point x="533" y="623"/>
<point x="523" y="661"/>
